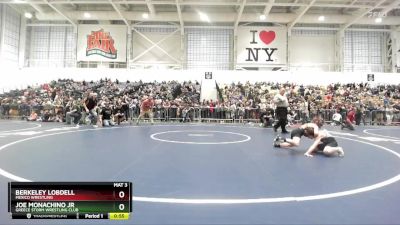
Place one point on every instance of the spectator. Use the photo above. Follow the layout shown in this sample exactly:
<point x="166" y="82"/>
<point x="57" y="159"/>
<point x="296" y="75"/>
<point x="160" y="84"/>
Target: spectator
<point x="33" y="116"/>
<point x="349" y="121"/>
<point x="74" y="113"/>
<point x="90" y="105"/>
<point x="337" y="118"/>
<point x="106" y="115"/>
<point x="119" y="112"/>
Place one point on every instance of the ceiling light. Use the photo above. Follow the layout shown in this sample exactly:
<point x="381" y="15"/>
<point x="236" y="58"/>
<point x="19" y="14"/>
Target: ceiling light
<point x="378" y="20"/>
<point x="28" y="15"/>
<point x="87" y="15"/>
<point x="263" y="17"/>
<point x="321" y="18"/>
<point x="145" y="15"/>
<point x="204" y="17"/>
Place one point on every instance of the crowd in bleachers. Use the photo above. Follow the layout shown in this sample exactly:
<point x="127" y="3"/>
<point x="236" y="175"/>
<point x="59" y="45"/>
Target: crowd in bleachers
<point x="181" y="100"/>
<point x="381" y="102"/>
<point x="51" y="102"/>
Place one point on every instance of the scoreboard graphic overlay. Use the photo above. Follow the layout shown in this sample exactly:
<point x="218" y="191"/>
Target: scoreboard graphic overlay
<point x="68" y="200"/>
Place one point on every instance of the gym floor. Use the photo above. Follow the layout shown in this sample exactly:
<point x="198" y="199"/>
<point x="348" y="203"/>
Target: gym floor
<point x="212" y="173"/>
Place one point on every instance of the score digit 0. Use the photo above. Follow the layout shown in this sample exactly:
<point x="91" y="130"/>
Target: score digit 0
<point x="121" y="194"/>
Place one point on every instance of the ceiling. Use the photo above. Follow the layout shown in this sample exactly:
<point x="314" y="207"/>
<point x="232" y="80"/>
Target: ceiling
<point x="341" y="13"/>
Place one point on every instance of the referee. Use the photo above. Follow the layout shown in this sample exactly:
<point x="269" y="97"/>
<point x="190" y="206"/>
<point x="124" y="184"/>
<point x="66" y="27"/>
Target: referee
<point x="281" y="111"/>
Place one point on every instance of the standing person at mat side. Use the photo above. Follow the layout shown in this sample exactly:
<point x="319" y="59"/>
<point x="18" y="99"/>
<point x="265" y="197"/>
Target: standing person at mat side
<point x="281" y="111"/>
<point x="326" y="144"/>
<point x="296" y="135"/>
<point x="146" y="108"/>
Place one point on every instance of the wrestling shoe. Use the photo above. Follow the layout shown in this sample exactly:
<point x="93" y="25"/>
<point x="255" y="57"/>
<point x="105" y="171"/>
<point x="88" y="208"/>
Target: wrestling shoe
<point x="277" y="141"/>
<point x="278" y="138"/>
<point x="340" y="152"/>
<point x="277" y="144"/>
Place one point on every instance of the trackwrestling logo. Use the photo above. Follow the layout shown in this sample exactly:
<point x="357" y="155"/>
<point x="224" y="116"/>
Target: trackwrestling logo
<point x="101" y="43"/>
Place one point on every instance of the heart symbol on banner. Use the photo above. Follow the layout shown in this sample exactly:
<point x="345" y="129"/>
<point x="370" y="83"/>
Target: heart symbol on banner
<point x="267" y="36"/>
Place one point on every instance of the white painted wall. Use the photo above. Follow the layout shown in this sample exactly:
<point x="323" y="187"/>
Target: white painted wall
<point x="172" y="45"/>
<point x="11" y="79"/>
<point x="51" y="47"/>
<point x="396" y="49"/>
<point x="312" y="50"/>
<point x="364" y="51"/>
<point x="10" y="26"/>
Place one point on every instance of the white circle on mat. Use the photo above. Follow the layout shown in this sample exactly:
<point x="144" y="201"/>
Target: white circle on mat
<point x="244" y="137"/>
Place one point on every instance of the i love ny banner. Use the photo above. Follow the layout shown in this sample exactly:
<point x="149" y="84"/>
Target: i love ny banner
<point x="257" y="46"/>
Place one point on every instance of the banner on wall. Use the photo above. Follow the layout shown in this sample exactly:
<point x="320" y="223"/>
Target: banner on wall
<point x="257" y="46"/>
<point x="105" y="43"/>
